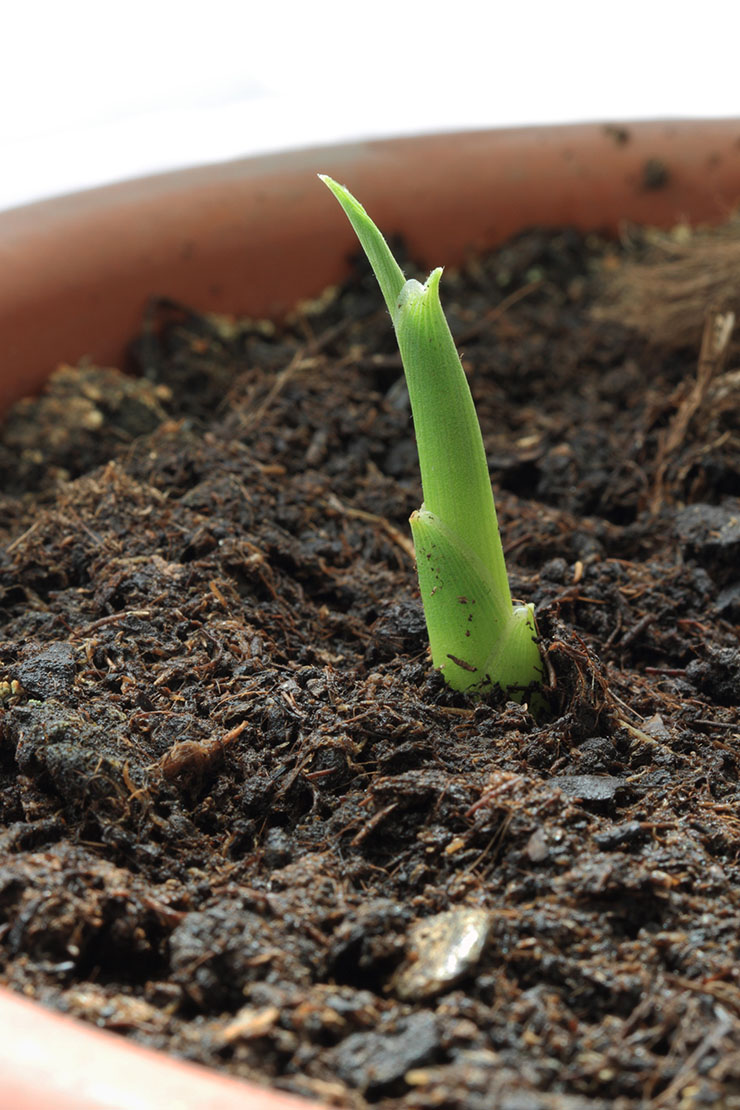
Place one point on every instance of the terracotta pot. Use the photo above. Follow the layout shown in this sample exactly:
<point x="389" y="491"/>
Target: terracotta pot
<point x="254" y="237"/>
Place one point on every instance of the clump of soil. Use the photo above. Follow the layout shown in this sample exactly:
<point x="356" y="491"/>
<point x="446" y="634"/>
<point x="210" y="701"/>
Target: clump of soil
<point x="243" y="821"/>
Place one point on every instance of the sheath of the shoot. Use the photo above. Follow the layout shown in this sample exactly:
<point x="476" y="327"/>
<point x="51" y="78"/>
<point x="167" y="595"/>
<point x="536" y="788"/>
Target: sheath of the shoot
<point x="478" y="638"/>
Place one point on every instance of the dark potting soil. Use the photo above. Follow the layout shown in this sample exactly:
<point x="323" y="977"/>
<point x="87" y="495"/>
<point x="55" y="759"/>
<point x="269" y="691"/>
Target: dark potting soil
<point x="242" y="819"/>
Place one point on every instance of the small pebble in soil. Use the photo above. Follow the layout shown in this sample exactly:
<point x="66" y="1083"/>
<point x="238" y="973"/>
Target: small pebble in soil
<point x="537" y="847"/>
<point x="589" y="788"/>
<point x="441" y="950"/>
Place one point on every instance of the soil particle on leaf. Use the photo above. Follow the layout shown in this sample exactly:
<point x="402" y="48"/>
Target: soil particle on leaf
<point x="241" y="820"/>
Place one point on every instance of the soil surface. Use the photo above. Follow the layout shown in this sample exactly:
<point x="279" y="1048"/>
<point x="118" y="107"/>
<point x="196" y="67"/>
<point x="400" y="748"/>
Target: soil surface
<point x="241" y="819"/>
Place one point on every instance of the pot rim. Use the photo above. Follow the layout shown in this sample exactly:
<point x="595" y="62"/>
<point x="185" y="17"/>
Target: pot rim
<point x="77" y="271"/>
<point x="215" y="236"/>
<point x="49" y="1060"/>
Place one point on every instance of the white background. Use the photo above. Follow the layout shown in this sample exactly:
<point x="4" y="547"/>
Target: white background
<point x="92" y="92"/>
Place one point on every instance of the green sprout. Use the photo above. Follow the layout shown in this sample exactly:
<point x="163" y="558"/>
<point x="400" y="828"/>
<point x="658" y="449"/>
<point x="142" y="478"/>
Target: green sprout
<point x="478" y="638"/>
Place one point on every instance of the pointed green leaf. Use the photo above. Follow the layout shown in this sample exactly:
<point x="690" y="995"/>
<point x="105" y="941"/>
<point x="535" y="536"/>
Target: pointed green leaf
<point x="515" y="662"/>
<point x="478" y="639"/>
<point x="387" y="271"/>
<point x="452" y="459"/>
<point x="463" y="611"/>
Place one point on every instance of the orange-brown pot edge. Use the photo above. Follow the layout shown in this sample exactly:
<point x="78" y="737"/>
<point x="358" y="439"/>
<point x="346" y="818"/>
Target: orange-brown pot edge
<point x="256" y="235"/>
<point x="51" y="1062"/>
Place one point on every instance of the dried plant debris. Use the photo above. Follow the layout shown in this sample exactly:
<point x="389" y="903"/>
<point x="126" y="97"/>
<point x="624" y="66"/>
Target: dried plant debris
<point x="664" y="283"/>
<point x="241" y="818"/>
<point x="700" y="404"/>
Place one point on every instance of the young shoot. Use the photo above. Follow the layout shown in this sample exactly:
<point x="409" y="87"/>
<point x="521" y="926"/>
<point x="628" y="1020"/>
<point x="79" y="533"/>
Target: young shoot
<point x="478" y="638"/>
